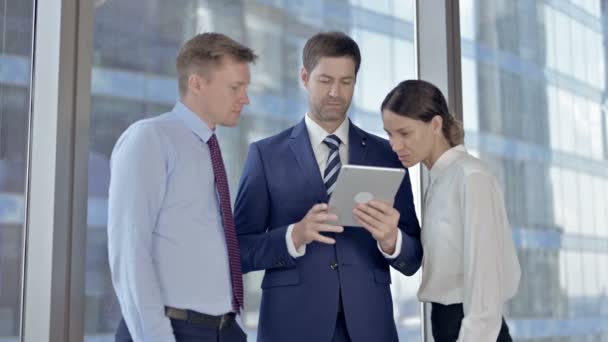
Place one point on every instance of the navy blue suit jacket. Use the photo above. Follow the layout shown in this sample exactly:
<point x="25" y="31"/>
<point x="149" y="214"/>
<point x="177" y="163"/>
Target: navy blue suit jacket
<point x="280" y="183"/>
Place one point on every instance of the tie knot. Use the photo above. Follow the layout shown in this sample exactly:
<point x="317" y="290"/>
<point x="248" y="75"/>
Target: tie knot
<point x="212" y="142"/>
<point x="332" y="141"/>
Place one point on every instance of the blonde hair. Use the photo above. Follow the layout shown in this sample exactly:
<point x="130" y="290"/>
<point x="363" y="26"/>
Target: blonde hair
<point x="208" y="49"/>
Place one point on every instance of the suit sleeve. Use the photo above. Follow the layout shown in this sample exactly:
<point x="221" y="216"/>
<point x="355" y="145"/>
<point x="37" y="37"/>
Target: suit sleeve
<point x="410" y="258"/>
<point x="262" y="247"/>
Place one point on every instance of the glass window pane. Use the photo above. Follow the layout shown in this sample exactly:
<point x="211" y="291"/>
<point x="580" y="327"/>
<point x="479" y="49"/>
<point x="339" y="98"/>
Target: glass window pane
<point x="551" y="37"/>
<point x="469" y="94"/>
<point x="563" y="43"/>
<point x="582" y="128"/>
<point x="381" y="6"/>
<point x="135" y="45"/>
<point x="565" y="108"/>
<point x="571" y="202"/>
<point x="579" y="49"/>
<point x="548" y="115"/>
<point x="585" y="221"/>
<point x="595" y="137"/>
<point x="603" y="283"/>
<point x="601" y="203"/>
<point x="16" y="19"/>
<point x="368" y="91"/>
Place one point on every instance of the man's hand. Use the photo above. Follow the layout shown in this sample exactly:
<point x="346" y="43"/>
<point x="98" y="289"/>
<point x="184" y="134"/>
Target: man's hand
<point x="381" y="220"/>
<point x="310" y="227"/>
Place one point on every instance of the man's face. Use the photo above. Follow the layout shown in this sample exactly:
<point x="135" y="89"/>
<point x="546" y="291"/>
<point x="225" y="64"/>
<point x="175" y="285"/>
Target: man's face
<point x="330" y="86"/>
<point x="223" y="92"/>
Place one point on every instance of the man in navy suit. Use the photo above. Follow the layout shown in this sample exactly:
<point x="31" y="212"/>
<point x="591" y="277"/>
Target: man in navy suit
<point x="323" y="282"/>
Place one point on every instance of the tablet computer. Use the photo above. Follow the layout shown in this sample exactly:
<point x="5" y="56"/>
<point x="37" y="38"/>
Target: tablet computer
<point x="360" y="184"/>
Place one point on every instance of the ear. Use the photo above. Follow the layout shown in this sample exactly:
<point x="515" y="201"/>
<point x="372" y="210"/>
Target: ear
<point x="194" y="84"/>
<point x="437" y="124"/>
<point x="304" y="76"/>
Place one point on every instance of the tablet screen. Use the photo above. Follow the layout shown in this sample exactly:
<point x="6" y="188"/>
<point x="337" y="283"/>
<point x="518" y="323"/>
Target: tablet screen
<point x="360" y="184"/>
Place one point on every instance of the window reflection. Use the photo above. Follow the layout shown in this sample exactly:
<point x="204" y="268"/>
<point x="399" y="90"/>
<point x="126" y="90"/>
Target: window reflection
<point x="135" y="44"/>
<point x="533" y="95"/>
<point x="15" y="67"/>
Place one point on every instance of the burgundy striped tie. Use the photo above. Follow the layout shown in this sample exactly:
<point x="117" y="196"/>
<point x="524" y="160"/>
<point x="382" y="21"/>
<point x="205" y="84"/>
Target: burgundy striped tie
<point x="234" y="256"/>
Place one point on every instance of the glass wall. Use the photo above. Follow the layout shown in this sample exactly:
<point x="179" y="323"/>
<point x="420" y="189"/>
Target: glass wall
<point x="534" y="97"/>
<point x="16" y="22"/>
<point x="135" y="45"/>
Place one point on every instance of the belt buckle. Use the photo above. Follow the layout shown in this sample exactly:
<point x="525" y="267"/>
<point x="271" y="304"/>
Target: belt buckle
<point x="224" y="321"/>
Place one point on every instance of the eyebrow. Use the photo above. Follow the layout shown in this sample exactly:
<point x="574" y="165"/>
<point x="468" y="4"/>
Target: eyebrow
<point x="342" y="78"/>
<point x="399" y="130"/>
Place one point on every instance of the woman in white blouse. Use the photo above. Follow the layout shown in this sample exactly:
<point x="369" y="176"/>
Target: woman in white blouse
<point x="470" y="266"/>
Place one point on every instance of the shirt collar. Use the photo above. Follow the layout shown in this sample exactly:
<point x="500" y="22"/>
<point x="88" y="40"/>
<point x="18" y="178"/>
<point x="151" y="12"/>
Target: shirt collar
<point x="446" y="159"/>
<point x="193" y="121"/>
<point x="317" y="133"/>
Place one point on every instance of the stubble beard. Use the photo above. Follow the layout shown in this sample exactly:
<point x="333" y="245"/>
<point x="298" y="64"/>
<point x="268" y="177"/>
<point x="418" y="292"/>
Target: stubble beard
<point x="322" y="115"/>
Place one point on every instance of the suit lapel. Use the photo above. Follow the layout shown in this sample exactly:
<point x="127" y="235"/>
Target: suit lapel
<point x="302" y="149"/>
<point x="357" y="145"/>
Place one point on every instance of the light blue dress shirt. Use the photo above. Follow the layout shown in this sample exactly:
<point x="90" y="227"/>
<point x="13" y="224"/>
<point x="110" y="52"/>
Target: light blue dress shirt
<point x="165" y="234"/>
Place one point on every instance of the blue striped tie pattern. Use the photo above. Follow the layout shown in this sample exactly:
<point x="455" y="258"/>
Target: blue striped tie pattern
<point x="333" y="165"/>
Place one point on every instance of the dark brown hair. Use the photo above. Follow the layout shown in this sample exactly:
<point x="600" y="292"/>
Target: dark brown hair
<point x="421" y="100"/>
<point x="330" y="44"/>
<point x="208" y="48"/>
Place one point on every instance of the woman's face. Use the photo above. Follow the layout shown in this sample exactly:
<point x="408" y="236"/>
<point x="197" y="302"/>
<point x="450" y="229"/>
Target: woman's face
<point x="412" y="140"/>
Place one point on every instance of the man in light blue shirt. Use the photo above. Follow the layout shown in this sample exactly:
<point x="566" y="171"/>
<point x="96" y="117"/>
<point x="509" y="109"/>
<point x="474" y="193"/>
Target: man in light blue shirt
<point x="172" y="245"/>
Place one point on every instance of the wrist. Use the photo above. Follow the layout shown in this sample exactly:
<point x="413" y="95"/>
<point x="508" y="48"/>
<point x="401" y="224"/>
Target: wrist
<point x="388" y="249"/>
<point x="295" y="236"/>
<point x="389" y="245"/>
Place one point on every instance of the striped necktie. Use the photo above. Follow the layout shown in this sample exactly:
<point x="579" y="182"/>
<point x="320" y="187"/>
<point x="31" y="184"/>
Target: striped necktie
<point x="234" y="257"/>
<point x="333" y="165"/>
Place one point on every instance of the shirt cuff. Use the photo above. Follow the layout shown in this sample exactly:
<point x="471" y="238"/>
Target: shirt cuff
<point x="397" y="247"/>
<point x="295" y="253"/>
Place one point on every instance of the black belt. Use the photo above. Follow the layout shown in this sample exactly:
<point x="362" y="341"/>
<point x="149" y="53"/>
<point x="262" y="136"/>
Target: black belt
<point x="194" y="317"/>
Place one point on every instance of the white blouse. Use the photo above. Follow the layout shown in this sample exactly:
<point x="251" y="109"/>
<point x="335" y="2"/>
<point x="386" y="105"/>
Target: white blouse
<point x="469" y="255"/>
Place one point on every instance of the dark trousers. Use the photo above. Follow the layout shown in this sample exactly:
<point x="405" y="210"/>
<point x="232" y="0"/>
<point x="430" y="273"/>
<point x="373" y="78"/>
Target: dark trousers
<point x="185" y="331"/>
<point x="447" y="319"/>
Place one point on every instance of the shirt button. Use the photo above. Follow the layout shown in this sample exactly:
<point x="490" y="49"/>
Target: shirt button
<point x="333" y="265"/>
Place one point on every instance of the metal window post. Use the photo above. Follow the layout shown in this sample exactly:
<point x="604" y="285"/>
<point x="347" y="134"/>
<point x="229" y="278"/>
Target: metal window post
<point x="57" y="179"/>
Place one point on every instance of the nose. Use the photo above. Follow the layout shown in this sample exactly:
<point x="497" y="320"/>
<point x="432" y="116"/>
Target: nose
<point x="395" y="144"/>
<point x="245" y="98"/>
<point x="334" y="90"/>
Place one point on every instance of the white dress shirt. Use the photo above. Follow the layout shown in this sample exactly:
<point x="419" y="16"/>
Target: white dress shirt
<point x="165" y="233"/>
<point x="469" y="255"/>
<point x="321" y="151"/>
